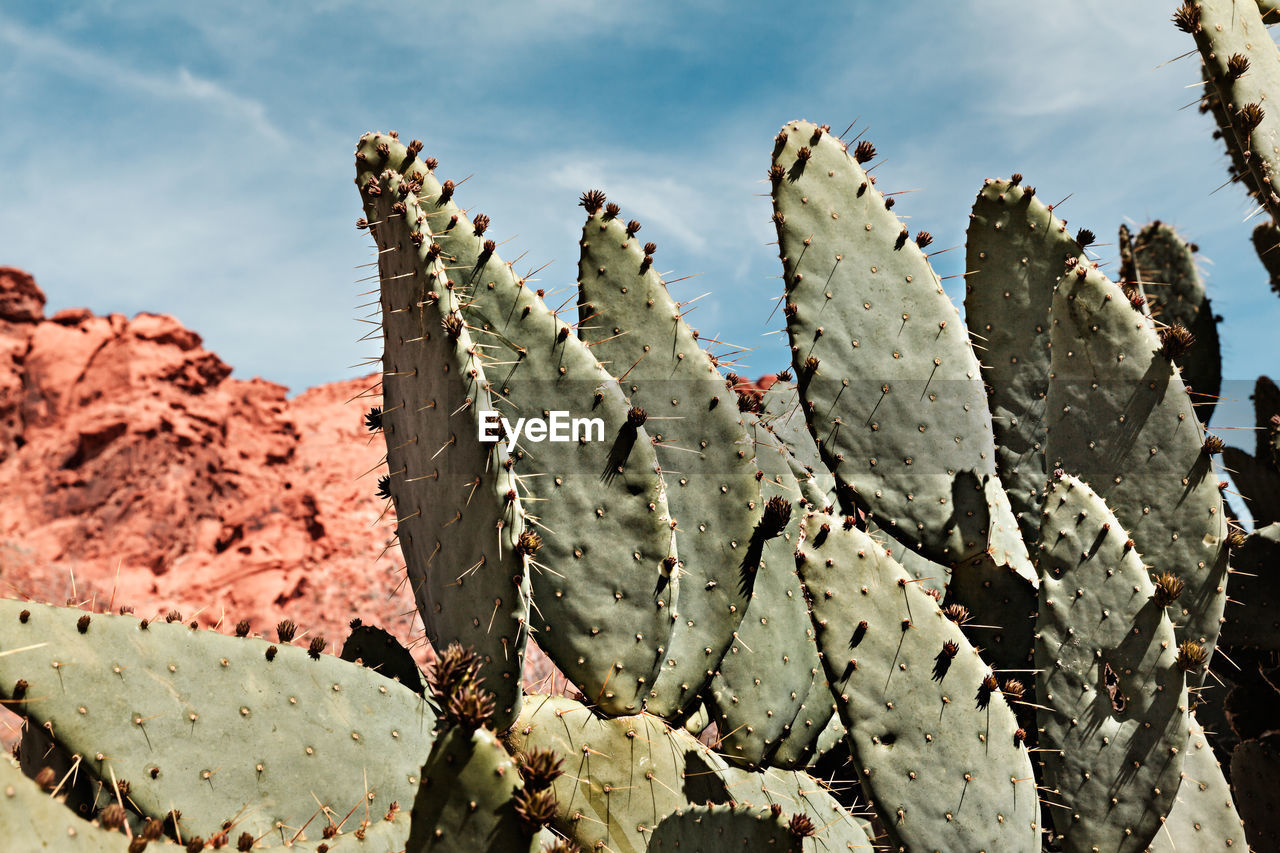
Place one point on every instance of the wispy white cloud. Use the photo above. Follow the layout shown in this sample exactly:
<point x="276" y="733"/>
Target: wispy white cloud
<point x="55" y="55"/>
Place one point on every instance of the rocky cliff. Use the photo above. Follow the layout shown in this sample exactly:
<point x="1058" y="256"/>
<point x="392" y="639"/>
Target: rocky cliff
<point x="135" y="471"/>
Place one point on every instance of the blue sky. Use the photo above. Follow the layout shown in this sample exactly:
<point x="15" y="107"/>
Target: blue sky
<point x="195" y="159"/>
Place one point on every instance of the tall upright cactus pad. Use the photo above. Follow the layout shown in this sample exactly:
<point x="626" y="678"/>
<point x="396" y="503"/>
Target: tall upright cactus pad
<point x="604" y="581"/>
<point x="1204" y="817"/>
<point x="622" y="776"/>
<point x="1258" y="476"/>
<point x="471" y="589"/>
<point x="1113" y="697"/>
<point x="1130" y="277"/>
<point x="768" y="694"/>
<point x="637" y="330"/>
<point x="1242" y="61"/>
<point x="1176" y="294"/>
<point x="192" y="719"/>
<point x="783" y="415"/>
<point x="1014" y="255"/>
<point x="891" y="387"/>
<point x="1120" y="419"/>
<point x="937" y="746"/>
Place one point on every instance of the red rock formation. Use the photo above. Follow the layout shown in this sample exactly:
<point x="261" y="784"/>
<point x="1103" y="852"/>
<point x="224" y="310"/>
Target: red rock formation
<point x="136" y="472"/>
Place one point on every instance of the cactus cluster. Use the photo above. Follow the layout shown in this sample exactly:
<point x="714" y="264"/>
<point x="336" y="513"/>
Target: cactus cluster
<point x="940" y="587"/>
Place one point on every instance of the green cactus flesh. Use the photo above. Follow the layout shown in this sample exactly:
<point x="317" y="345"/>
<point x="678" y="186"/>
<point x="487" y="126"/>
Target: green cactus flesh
<point x="192" y="719"/>
<point x="799" y="793"/>
<point x="784" y="417"/>
<point x="1130" y="280"/>
<point x="1015" y="253"/>
<point x="1255" y="767"/>
<point x="639" y="334"/>
<point x="1121" y="420"/>
<point x="604" y="580"/>
<point x="1241" y="60"/>
<point x="35" y="820"/>
<point x="1258" y="476"/>
<point x="768" y="690"/>
<point x="713" y="828"/>
<point x="474" y="589"/>
<point x="937" y="747"/>
<point x="622" y="775"/>
<point x="1203" y="818"/>
<point x="1113" y="698"/>
<point x="380" y="651"/>
<point x="468" y="797"/>
<point x="1266" y="242"/>
<point x="1255" y="592"/>
<point x="891" y="387"/>
<point x="1176" y="295"/>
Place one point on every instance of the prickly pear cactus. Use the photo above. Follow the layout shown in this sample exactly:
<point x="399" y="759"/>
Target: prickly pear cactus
<point x="1111" y="678"/>
<point x="935" y="740"/>
<point x="472" y="590"/>
<point x="709" y="829"/>
<point x="638" y="331"/>
<point x="1120" y="419"/>
<point x="192" y="719"/>
<point x="903" y="425"/>
<point x="1241" y="60"/>
<point x="1016" y="252"/>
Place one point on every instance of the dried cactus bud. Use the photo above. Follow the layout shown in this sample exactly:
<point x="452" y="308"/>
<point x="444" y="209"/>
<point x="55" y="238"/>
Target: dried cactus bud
<point x="528" y="543"/>
<point x="454" y="668"/>
<point x="1192" y="656"/>
<point x="540" y="767"/>
<point x="801" y="826"/>
<point x="470" y="707"/>
<point x="1187" y="17"/>
<point x="776" y="516"/>
<point x="1175" y="341"/>
<point x="535" y="809"/>
<point x="1168" y="587"/>
<point x="1250" y="116"/>
<point x="592" y="200"/>
<point x="285" y="630"/>
<point x="112" y="817"/>
<point x="242" y="628"/>
<point x="864" y="152"/>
